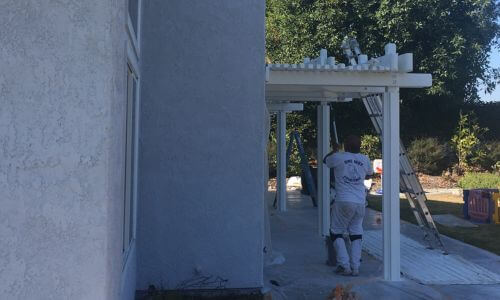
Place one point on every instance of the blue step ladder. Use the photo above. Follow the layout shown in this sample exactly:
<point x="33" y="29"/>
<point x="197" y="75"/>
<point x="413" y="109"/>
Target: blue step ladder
<point x="304" y="165"/>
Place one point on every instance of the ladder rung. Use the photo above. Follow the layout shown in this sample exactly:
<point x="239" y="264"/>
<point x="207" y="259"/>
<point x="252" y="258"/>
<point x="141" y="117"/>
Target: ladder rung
<point x="408" y="174"/>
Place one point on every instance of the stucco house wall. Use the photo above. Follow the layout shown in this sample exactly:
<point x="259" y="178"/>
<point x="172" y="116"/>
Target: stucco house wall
<point x="62" y="116"/>
<point x="201" y="143"/>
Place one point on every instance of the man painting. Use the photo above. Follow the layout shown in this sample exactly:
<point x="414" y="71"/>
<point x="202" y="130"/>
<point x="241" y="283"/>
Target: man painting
<point x="350" y="169"/>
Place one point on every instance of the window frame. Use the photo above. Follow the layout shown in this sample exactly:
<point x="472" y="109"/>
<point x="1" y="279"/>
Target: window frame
<point x="131" y="134"/>
<point x="134" y="37"/>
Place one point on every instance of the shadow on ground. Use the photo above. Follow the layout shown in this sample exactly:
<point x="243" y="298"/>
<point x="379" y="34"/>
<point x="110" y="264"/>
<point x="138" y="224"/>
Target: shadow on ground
<point x="305" y="275"/>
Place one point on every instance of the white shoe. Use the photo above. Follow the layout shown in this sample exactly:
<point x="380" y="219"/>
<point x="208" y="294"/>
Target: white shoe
<point x="355" y="272"/>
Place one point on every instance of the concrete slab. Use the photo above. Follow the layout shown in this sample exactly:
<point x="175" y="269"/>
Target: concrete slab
<point x="305" y="275"/>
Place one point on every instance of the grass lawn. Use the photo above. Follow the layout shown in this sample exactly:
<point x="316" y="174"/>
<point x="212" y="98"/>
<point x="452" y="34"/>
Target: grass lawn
<point x="486" y="236"/>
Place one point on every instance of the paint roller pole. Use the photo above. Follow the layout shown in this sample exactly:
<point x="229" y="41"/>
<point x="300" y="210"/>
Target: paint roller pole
<point x="335" y="131"/>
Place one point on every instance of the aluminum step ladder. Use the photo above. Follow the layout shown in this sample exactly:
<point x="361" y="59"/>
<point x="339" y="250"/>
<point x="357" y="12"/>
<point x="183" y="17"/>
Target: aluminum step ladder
<point x="409" y="183"/>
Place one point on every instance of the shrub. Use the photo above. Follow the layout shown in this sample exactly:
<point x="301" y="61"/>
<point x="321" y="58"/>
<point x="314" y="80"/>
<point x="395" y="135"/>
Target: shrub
<point x="467" y="142"/>
<point x="294" y="167"/>
<point x="370" y="145"/>
<point x="474" y="180"/>
<point x="271" y="154"/>
<point x="491" y="160"/>
<point x="429" y="156"/>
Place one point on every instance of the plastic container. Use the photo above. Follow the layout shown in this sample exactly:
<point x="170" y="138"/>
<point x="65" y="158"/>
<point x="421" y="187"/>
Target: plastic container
<point x="495" y="197"/>
<point x="480" y="205"/>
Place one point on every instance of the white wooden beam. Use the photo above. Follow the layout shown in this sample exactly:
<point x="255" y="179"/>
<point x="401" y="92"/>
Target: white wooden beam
<point x="281" y="161"/>
<point x="286" y="107"/>
<point x="350" y="79"/>
<point x="390" y="185"/>
<point x="318" y="93"/>
<point x="323" y="175"/>
<point x="323" y="90"/>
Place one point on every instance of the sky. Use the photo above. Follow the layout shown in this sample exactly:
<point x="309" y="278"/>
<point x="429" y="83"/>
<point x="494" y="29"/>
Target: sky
<point x="494" y="62"/>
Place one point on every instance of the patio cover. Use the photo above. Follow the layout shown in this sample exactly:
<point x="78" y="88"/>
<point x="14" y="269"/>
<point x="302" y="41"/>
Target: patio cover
<point x="323" y="80"/>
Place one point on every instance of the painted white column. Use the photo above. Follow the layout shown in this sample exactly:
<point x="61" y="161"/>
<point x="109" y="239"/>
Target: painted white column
<point x="390" y="184"/>
<point x="323" y="136"/>
<point x="281" y="160"/>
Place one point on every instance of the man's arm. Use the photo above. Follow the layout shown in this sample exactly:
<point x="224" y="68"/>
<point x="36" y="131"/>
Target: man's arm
<point x="335" y="148"/>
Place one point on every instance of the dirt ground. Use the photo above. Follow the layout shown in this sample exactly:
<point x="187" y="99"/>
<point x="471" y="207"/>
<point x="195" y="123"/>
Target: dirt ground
<point x="450" y="198"/>
<point x="428" y="182"/>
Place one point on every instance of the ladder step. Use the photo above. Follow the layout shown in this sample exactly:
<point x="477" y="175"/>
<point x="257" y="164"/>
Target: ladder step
<point x="411" y="173"/>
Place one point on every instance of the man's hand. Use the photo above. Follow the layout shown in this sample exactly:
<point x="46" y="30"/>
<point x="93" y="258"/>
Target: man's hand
<point x="335" y="148"/>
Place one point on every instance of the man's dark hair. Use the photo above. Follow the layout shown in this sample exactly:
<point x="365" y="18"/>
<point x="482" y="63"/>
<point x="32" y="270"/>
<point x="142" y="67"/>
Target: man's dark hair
<point x="352" y="144"/>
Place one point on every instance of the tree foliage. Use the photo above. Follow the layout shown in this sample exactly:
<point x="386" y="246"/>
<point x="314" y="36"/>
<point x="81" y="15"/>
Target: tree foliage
<point x="450" y="39"/>
<point x="371" y="146"/>
<point x="468" y="143"/>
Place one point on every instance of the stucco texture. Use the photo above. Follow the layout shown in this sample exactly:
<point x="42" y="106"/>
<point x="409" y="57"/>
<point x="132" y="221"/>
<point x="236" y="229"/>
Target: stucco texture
<point x="201" y="143"/>
<point x="62" y="110"/>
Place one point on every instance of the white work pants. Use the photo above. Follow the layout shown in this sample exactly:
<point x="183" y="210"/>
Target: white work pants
<point x="347" y="217"/>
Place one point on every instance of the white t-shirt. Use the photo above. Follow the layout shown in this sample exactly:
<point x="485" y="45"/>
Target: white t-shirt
<point x="350" y="170"/>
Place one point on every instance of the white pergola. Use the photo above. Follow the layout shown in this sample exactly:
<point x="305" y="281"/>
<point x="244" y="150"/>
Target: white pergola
<point x="323" y="80"/>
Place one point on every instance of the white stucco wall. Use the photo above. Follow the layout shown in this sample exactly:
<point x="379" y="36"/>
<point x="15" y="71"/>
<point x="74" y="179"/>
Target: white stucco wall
<point x="62" y="110"/>
<point x="202" y="146"/>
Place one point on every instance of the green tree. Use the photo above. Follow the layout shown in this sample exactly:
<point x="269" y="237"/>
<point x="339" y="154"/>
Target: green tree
<point x="370" y="145"/>
<point x="449" y="39"/>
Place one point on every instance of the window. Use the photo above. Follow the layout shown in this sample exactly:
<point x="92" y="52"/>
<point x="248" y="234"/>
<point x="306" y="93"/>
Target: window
<point x="130" y="129"/>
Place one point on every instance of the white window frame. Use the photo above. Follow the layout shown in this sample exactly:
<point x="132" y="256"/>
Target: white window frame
<point x="131" y="163"/>
<point x="133" y="37"/>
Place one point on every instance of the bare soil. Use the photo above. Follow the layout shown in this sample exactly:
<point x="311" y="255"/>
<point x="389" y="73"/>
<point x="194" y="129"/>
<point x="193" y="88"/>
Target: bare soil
<point x="428" y="182"/>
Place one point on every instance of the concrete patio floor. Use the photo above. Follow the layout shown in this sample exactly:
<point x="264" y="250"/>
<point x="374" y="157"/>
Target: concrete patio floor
<point x="305" y="275"/>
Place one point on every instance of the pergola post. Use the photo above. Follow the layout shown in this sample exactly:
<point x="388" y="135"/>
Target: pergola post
<point x="390" y="185"/>
<point x="323" y="139"/>
<point x="281" y="160"/>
